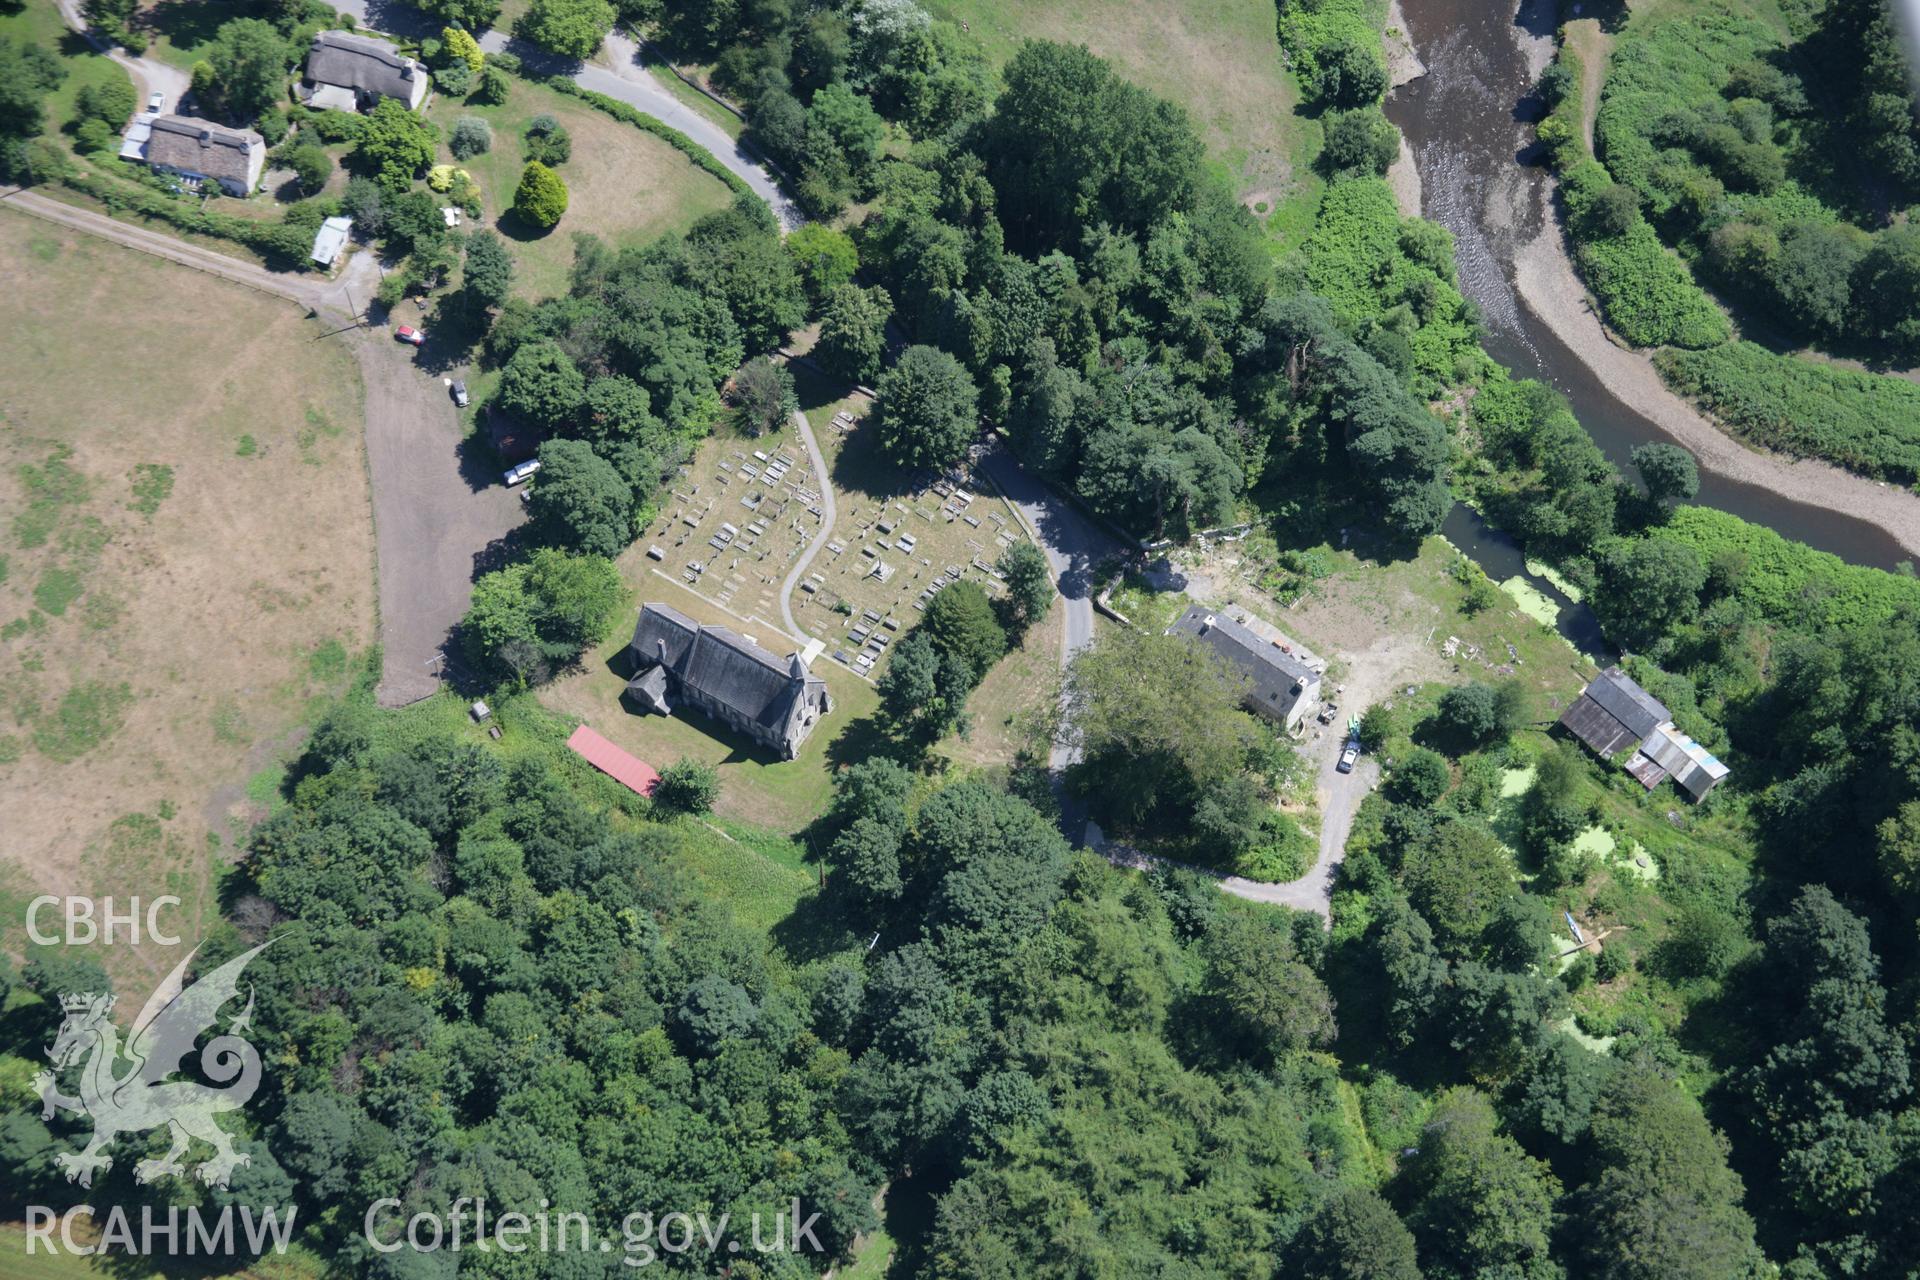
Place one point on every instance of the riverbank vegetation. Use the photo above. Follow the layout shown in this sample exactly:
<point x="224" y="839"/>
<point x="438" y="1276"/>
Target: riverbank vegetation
<point x="1737" y="138"/>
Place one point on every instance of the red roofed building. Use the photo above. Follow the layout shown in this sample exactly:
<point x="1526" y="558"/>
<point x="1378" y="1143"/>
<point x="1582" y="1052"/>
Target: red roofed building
<point x="629" y="771"/>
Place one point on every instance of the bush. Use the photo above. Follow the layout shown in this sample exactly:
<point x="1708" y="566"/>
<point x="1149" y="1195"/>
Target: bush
<point x="1283" y="852"/>
<point x="462" y="49"/>
<point x="273" y="126"/>
<point x="1359" y="142"/>
<point x="94" y="136"/>
<point x="688" y="786"/>
<point x="1421" y="778"/>
<point x="492" y="88"/>
<point x="541" y="197"/>
<point x="1866" y="422"/>
<point x="111" y="102"/>
<point x="547" y="141"/>
<point x="471" y="137"/>
<point x="311" y="165"/>
<point x="454" y="79"/>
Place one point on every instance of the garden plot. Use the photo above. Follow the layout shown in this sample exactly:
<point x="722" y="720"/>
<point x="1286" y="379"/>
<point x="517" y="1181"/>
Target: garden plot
<point x="900" y="538"/>
<point x="735" y="519"/>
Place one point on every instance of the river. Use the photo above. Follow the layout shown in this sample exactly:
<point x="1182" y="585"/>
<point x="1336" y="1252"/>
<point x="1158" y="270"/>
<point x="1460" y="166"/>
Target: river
<point x="1469" y="124"/>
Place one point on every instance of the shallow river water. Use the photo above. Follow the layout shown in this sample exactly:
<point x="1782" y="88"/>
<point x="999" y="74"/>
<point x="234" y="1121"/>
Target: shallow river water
<point x="1469" y="123"/>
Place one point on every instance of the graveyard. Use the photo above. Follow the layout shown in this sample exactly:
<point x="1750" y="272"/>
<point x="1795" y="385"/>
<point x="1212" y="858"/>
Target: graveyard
<point x="900" y="537"/>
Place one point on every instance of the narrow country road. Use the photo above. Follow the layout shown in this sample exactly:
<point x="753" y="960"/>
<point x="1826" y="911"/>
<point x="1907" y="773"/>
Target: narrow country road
<point x="829" y="512"/>
<point x="149" y="75"/>
<point x="625" y="78"/>
<point x="1074" y="545"/>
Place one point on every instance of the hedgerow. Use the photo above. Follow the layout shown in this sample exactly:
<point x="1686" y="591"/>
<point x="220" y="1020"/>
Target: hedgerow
<point x="1865" y="422"/>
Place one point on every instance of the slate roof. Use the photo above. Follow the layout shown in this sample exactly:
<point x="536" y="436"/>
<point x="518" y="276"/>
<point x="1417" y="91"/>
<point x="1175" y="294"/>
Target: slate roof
<point x="1280" y="680"/>
<point x="203" y="147"/>
<point x="724" y="665"/>
<point x="367" y="65"/>
<point x="1627" y="702"/>
<point x="1613" y="712"/>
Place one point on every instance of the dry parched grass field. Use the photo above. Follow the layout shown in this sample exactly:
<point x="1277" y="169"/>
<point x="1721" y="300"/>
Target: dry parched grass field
<point x="1218" y="58"/>
<point x="186" y="558"/>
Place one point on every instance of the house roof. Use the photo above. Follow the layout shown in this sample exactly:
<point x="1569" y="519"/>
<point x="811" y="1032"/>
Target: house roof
<point x="330" y="239"/>
<point x="1613" y="713"/>
<point x="203" y="147"/>
<point x="1594" y="725"/>
<point x="1280" y="678"/>
<point x="1627" y="702"/>
<point x="362" y="63"/>
<point x="1686" y="761"/>
<point x="722" y="664"/>
<point x="629" y="770"/>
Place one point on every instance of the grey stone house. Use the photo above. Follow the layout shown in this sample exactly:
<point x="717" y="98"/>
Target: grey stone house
<point x="348" y="72"/>
<point x="1282" y="683"/>
<point x="775" y="701"/>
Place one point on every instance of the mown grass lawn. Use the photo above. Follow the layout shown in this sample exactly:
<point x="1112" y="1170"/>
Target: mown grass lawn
<point x="39" y="22"/>
<point x="624" y="185"/>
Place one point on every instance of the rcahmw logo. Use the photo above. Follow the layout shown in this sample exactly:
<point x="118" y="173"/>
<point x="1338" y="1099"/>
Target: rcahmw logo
<point x="126" y="1089"/>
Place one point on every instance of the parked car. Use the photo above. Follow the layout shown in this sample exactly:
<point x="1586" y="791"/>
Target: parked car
<point x="1348" y="757"/>
<point x="524" y="471"/>
<point x="410" y="336"/>
<point x="156" y="100"/>
<point x="460" y="394"/>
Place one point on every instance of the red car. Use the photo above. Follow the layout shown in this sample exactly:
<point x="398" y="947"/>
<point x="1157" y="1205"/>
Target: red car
<point x="413" y="337"/>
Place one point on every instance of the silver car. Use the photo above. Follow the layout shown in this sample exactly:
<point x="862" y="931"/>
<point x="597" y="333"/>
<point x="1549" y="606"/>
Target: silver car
<point x="460" y="394"/>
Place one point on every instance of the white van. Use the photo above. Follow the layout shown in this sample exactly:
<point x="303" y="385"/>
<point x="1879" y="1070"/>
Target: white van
<point x="524" y="471"/>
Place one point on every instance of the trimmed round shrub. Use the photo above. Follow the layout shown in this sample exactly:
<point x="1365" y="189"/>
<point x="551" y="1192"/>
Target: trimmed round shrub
<point x="541" y="197"/>
<point x="471" y="137"/>
<point x="454" y="79"/>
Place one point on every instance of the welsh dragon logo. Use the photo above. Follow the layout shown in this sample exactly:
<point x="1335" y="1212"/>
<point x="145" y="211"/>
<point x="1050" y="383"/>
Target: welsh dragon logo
<point x="125" y="1088"/>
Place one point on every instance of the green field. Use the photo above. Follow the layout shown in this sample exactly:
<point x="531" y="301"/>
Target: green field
<point x="624" y="185"/>
<point x="38" y="22"/>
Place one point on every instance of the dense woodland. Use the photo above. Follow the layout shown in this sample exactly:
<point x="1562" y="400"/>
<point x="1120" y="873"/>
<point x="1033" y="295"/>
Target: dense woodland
<point x="488" y="978"/>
